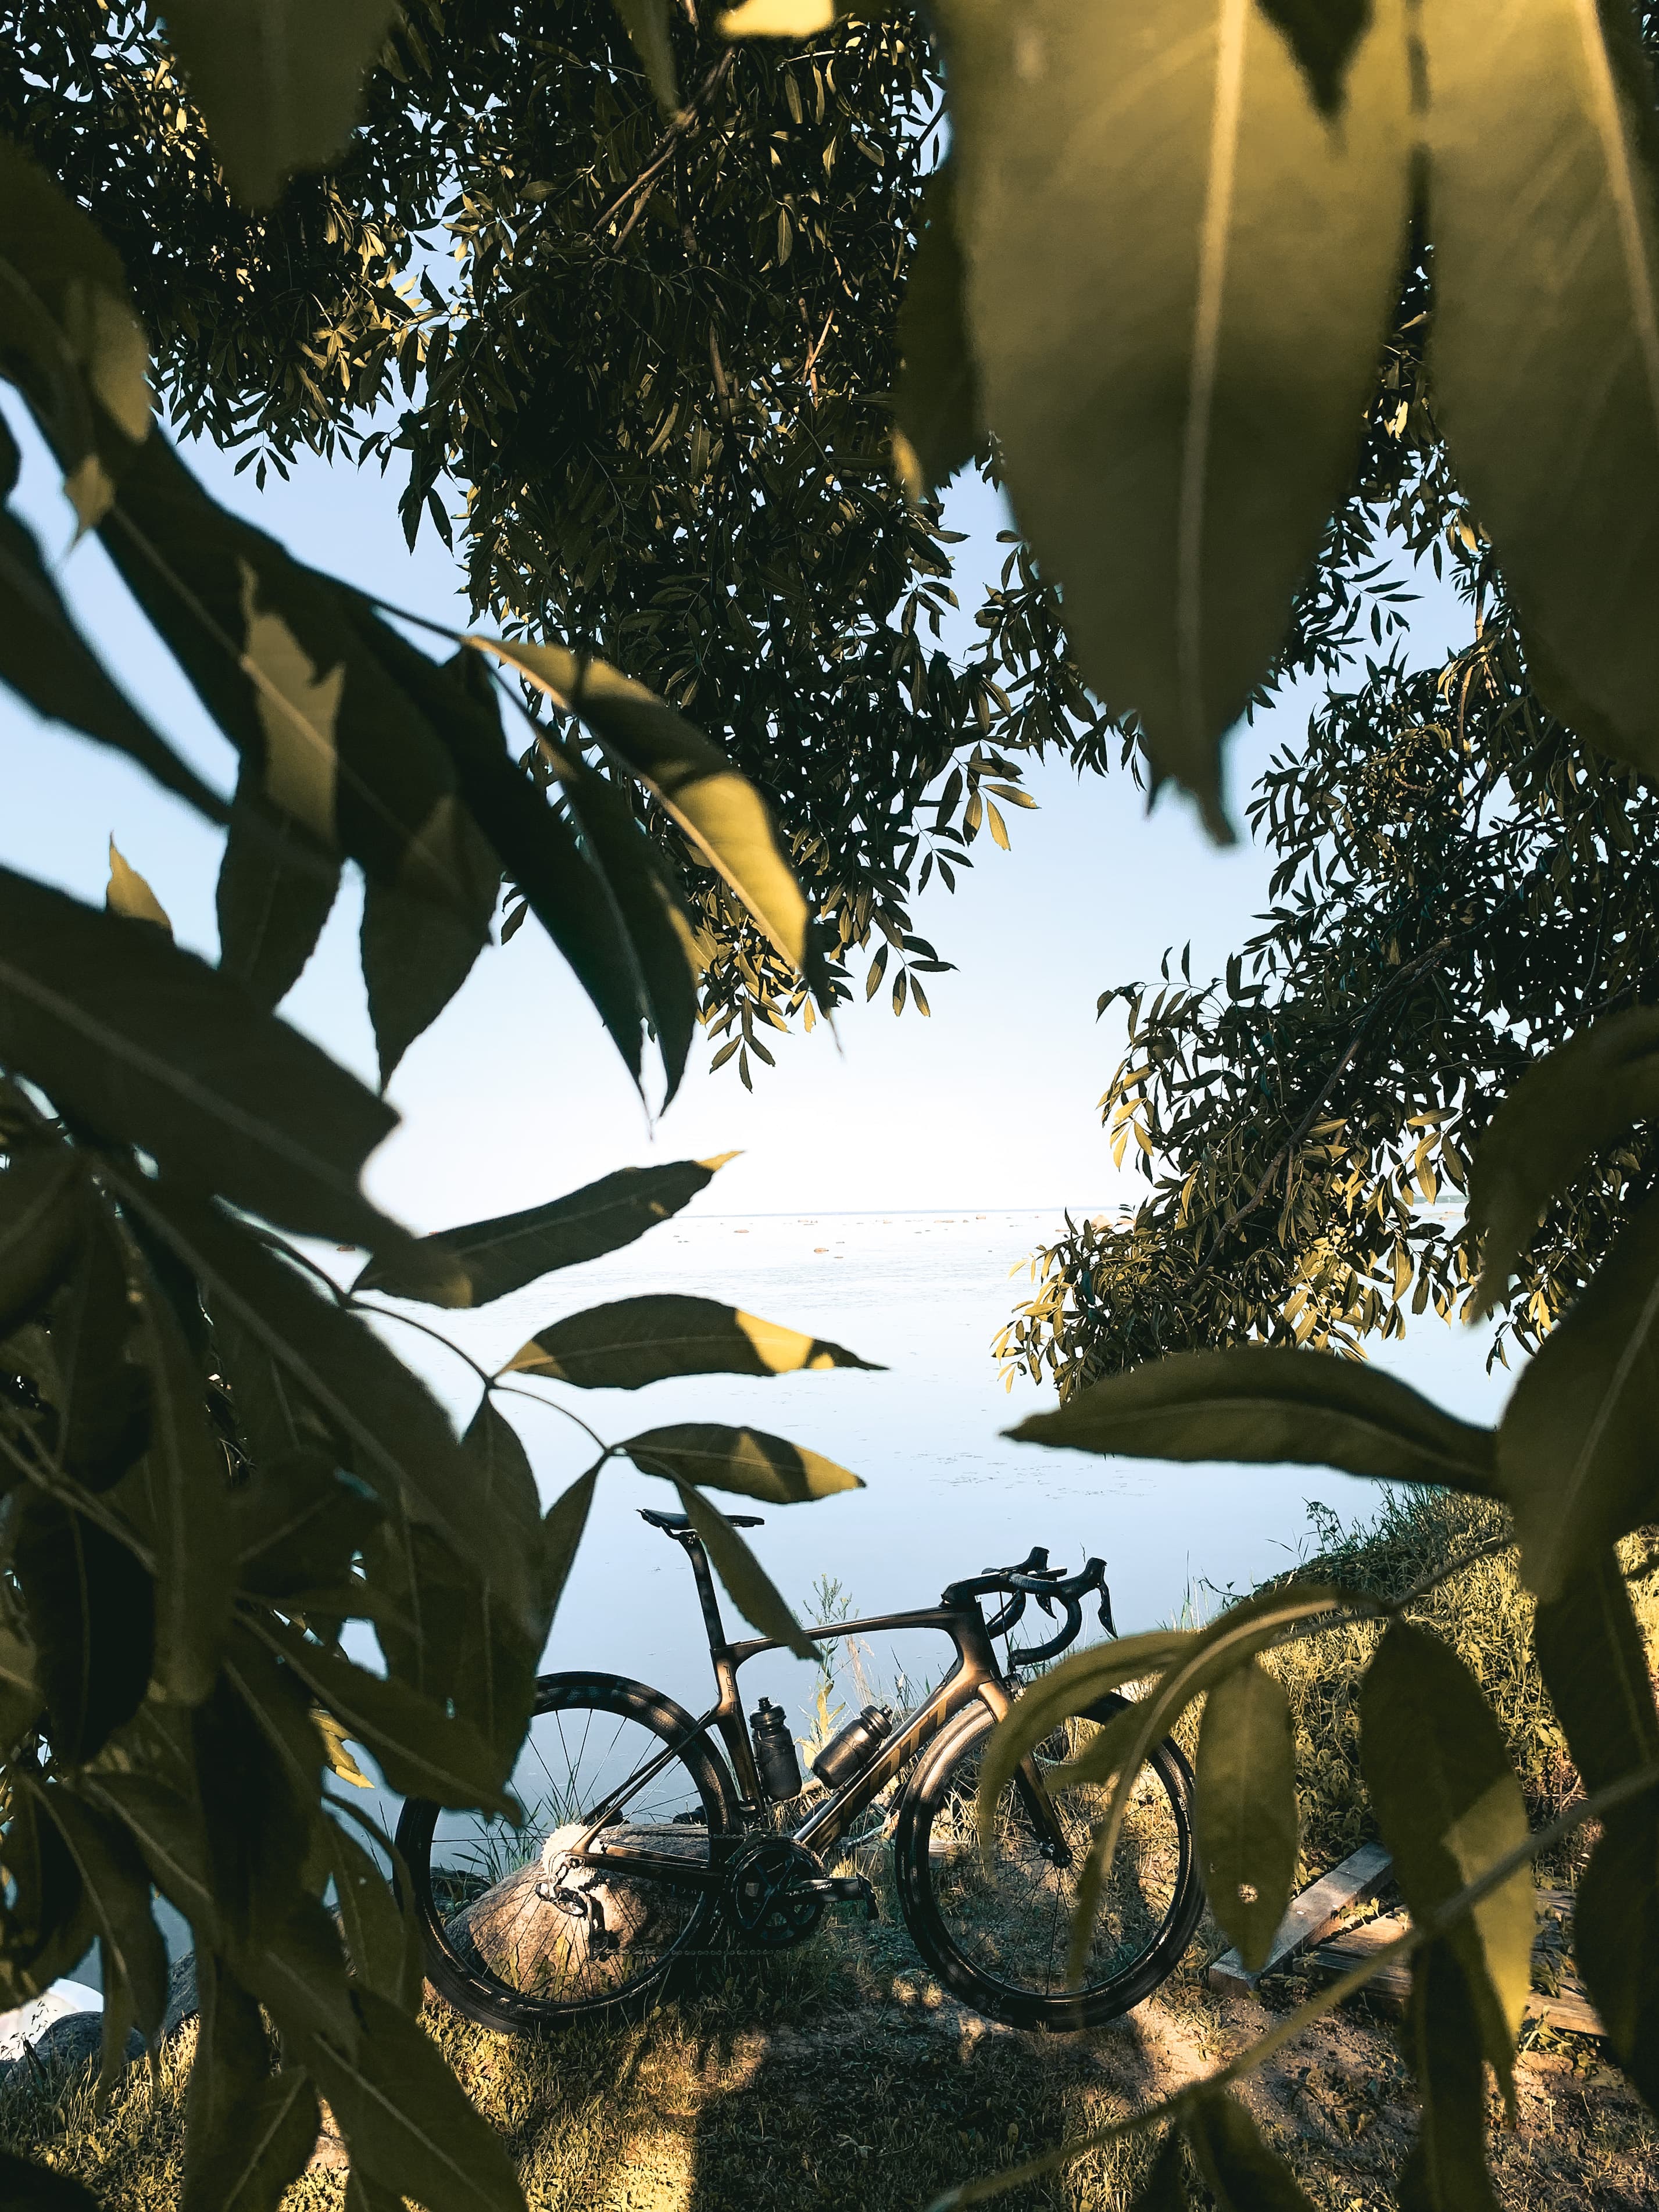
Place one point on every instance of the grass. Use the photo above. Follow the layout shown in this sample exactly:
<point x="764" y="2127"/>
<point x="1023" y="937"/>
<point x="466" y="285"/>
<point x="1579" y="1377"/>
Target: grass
<point x="835" y="2075"/>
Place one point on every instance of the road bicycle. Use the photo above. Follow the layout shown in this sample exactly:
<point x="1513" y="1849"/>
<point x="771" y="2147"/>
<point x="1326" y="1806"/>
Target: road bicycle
<point x="644" y="1842"/>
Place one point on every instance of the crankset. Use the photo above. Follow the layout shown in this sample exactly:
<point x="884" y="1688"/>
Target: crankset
<point x="776" y="1891"/>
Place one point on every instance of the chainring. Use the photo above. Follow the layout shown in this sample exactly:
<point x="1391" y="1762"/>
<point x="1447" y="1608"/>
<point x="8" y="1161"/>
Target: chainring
<point x="763" y="1897"/>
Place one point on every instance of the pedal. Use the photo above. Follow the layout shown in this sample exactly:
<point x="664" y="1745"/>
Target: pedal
<point x="849" y="1889"/>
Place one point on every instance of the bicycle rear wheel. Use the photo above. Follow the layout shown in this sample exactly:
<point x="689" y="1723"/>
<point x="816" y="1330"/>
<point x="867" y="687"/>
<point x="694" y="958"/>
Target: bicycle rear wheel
<point x="997" y="1935"/>
<point x="517" y="1940"/>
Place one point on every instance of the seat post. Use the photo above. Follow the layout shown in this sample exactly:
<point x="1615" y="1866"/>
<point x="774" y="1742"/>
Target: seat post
<point x="707" y="1594"/>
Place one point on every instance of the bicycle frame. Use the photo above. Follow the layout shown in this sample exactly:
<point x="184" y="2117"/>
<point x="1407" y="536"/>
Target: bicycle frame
<point x="975" y="1675"/>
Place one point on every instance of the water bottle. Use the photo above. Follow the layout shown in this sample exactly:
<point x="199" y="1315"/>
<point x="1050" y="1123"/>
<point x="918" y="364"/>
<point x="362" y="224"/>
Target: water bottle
<point x="774" y="1751"/>
<point x="853" y="1747"/>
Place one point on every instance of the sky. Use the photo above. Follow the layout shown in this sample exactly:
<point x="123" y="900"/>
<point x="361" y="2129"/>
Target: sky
<point x="515" y="1095"/>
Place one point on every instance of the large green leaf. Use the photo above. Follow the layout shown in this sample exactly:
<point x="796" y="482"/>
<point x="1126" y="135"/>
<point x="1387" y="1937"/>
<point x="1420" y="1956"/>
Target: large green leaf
<point x="1448" y="1806"/>
<point x="90" y="1610"/>
<point x="278" y="81"/>
<point x="382" y="1937"/>
<point x="49" y="1920"/>
<point x="1564" y="1109"/>
<point x="189" y="1519"/>
<point x="1615" y="1939"/>
<point x="42" y="1219"/>
<point x="1595" y="1666"/>
<point x="1544" y="352"/>
<point x="755" y="1593"/>
<point x="1179" y="274"/>
<point x="1242" y="2173"/>
<point x="537" y="846"/>
<point x="26" y="2187"/>
<point x="416" y="954"/>
<point x="101" y="1396"/>
<point x="422" y="1750"/>
<point x="1262" y="1403"/>
<point x="937" y="401"/>
<point x="118" y="1892"/>
<point x="1575" y="1445"/>
<point x="332" y="711"/>
<point x="562" y="1530"/>
<point x="278" y="881"/>
<point x="45" y="661"/>
<point x="1447" y="2169"/>
<point x="638" y="1340"/>
<point x="407" y="2120"/>
<point x="719" y="810"/>
<point x="647" y="27"/>
<point x="20" y="1698"/>
<point x="296" y="1525"/>
<point x="490" y="1258"/>
<point x="744" y="1460"/>
<point x="1246" y="1818"/>
<point x="145" y="1043"/>
<point x="248" y="2132"/>
<point x="70" y="336"/>
<point x="397" y="1439"/>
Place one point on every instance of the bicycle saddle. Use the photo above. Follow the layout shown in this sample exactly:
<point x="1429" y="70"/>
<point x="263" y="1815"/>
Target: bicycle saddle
<point x="674" y="1521"/>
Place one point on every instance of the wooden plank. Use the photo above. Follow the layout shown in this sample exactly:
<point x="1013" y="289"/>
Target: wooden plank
<point x="1576" y="2015"/>
<point x="1360" y="1876"/>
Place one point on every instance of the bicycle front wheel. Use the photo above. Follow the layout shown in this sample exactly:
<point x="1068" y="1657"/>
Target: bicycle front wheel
<point x="998" y="1934"/>
<point x="517" y="1938"/>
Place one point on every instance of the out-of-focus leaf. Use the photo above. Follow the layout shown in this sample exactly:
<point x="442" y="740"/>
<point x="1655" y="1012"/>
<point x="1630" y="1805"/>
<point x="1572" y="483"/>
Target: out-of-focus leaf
<point x="562" y="1527"/>
<point x="20" y="1693"/>
<point x="416" y="953"/>
<point x="1447" y="2169"/>
<point x="128" y="892"/>
<point x="1564" y="1109"/>
<point x="623" y="1346"/>
<point x="421" y="1749"/>
<point x="275" y="1419"/>
<point x="538" y="848"/>
<point x="752" y="1589"/>
<point x="400" y="1442"/>
<point x="1164" y="2188"/>
<point x="645" y="894"/>
<point x="1575" y="1445"/>
<point x="1260" y="1403"/>
<point x="42" y="1224"/>
<point x="406" y="2119"/>
<point x="719" y="810"/>
<point x="1595" y="1666"/>
<point x="249" y="2133"/>
<point x="103" y="1396"/>
<point x="72" y="341"/>
<point x="384" y="1943"/>
<point x="190" y="1520"/>
<point x="146" y="1044"/>
<point x="1615" y="1939"/>
<point x="45" y="661"/>
<point x="117" y="1893"/>
<point x="1449" y="1805"/>
<point x="1545" y="351"/>
<point x="744" y="1460"/>
<point x="49" y="1923"/>
<point x="936" y="402"/>
<point x="1179" y="274"/>
<point x="336" y="1751"/>
<point x="1242" y="2173"/>
<point x="647" y="27"/>
<point x="1323" y="34"/>
<point x="90" y="1610"/>
<point x="490" y="1258"/>
<point x="1246" y="1814"/>
<point x="278" y="881"/>
<point x="332" y="711"/>
<point x="26" y="2187"/>
<point x="278" y="81"/>
<point x="296" y="1524"/>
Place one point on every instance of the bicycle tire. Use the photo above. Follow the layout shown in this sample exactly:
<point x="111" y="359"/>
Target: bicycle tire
<point x="467" y="1967"/>
<point x="999" y="1940"/>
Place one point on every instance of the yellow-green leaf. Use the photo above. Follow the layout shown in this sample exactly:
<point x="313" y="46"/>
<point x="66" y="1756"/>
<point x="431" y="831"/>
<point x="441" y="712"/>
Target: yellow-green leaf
<point x="751" y="1586"/>
<point x="129" y="893"/>
<point x="1543" y="208"/>
<point x="1245" y="1817"/>
<point x="744" y="1460"/>
<point x="639" y="1341"/>
<point x="1179" y="274"/>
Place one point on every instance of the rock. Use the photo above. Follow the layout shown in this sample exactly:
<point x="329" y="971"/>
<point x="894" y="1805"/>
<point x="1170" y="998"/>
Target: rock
<point x="21" y="2027"/>
<point x="182" y="2002"/>
<point x="76" y="2038"/>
